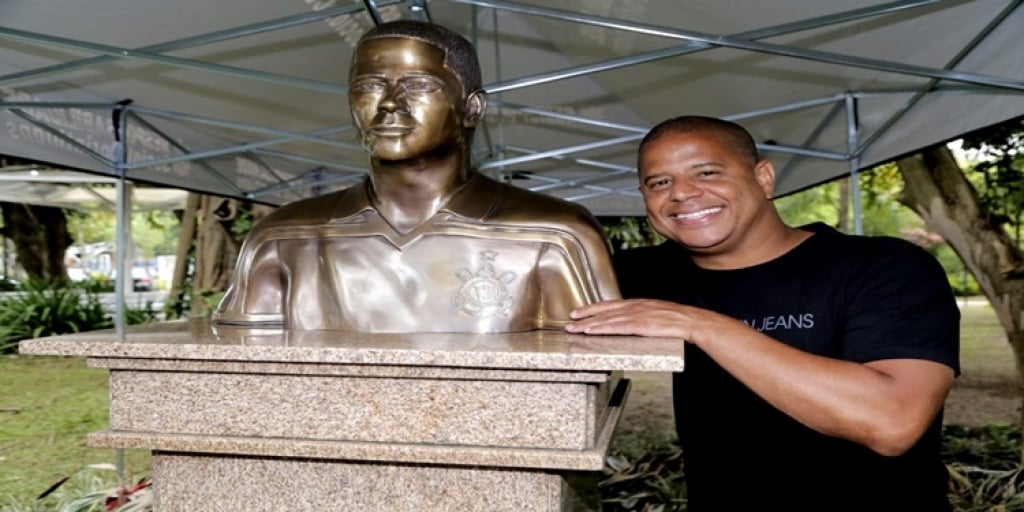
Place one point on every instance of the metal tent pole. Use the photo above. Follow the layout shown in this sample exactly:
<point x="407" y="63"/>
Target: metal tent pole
<point x="851" y="138"/>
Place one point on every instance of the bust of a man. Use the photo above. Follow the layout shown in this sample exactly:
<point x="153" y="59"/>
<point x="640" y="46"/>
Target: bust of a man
<point x="425" y="243"/>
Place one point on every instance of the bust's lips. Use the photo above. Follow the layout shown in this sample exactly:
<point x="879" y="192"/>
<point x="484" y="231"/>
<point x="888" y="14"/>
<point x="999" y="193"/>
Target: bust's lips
<point x="390" y="130"/>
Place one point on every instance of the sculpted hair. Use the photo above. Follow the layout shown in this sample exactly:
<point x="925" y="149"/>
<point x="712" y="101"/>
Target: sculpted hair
<point x="737" y="138"/>
<point x="459" y="53"/>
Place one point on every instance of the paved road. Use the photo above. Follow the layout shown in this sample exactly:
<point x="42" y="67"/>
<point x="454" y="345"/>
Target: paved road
<point x="136" y="299"/>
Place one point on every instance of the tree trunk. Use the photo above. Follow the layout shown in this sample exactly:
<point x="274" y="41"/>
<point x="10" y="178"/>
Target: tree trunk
<point x="216" y="251"/>
<point x="936" y="188"/>
<point x="216" y="248"/>
<point x="180" y="287"/>
<point x="41" y="238"/>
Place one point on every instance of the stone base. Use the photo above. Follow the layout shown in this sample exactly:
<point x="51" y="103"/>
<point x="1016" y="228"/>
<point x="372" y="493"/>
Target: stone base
<point x="319" y="420"/>
<point x="188" y="483"/>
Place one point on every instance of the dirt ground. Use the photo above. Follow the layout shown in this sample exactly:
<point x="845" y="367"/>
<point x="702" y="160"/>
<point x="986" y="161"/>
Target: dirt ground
<point x="985" y="393"/>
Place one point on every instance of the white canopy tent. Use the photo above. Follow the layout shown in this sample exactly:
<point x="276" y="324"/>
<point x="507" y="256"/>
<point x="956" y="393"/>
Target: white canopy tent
<point x="248" y="99"/>
<point x="79" y="191"/>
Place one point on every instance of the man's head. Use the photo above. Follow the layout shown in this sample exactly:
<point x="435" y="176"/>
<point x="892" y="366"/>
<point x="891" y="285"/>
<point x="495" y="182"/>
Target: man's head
<point x="735" y="136"/>
<point x="706" y="188"/>
<point x="414" y="90"/>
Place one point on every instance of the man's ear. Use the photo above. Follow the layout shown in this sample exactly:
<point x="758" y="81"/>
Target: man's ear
<point x="476" y="105"/>
<point x="764" y="173"/>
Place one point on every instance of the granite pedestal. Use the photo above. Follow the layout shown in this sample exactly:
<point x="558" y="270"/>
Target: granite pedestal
<point x="319" y="420"/>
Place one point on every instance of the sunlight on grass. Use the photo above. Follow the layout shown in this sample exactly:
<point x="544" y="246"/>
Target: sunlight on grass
<point x="48" y="406"/>
<point x="983" y="346"/>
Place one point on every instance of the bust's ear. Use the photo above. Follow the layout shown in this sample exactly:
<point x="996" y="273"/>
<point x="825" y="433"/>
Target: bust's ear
<point x="476" y="105"/>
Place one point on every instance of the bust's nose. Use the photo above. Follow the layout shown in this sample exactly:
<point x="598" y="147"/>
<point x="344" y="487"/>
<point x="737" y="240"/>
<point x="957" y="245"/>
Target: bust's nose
<point x="392" y="99"/>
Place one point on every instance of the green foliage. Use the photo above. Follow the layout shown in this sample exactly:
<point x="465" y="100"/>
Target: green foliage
<point x="883" y="214"/>
<point x="45" y="309"/>
<point x="985" y="471"/>
<point x="242" y="224"/>
<point x="1000" y="164"/>
<point x="643" y="472"/>
<point x="42" y="309"/>
<point x="153" y="232"/>
<point x="95" y="488"/>
<point x="960" y="279"/>
<point x="180" y="305"/>
<point x="97" y="283"/>
<point x="881" y="211"/>
<point x="630" y="232"/>
<point x="995" y="447"/>
<point x="817" y="204"/>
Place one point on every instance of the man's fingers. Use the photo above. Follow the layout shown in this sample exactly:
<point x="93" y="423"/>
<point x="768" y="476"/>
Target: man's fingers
<point x="608" y="319"/>
<point x="616" y="326"/>
<point x="597" y="308"/>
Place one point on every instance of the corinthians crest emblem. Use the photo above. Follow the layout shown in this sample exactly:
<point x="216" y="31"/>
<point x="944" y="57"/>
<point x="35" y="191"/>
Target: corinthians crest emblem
<point x="484" y="293"/>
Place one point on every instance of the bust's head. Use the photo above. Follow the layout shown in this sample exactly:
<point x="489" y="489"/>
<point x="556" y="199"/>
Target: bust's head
<point x="415" y="89"/>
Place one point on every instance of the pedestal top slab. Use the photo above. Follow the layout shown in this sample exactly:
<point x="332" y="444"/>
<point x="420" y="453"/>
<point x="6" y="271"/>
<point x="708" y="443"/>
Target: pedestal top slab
<point x="532" y="350"/>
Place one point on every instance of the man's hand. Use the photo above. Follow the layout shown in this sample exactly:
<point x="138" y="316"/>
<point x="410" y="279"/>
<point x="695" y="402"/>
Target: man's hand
<point x="647" y="317"/>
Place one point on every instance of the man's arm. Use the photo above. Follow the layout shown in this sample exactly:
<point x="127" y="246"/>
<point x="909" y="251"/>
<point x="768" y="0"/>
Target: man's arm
<point x="885" y="405"/>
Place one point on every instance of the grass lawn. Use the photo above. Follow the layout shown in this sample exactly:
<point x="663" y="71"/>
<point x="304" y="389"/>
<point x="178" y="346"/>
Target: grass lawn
<point x="47" y="406"/>
<point x="984" y="350"/>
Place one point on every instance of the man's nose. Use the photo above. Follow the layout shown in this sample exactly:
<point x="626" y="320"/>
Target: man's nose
<point x="683" y="189"/>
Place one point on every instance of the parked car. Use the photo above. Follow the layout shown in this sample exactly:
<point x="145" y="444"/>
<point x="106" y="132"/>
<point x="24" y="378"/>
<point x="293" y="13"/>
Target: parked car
<point x="76" y="274"/>
<point x="141" y="280"/>
<point x="8" y="285"/>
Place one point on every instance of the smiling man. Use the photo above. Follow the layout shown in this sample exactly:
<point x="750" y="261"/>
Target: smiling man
<point x="425" y="243"/>
<point x="817" y="362"/>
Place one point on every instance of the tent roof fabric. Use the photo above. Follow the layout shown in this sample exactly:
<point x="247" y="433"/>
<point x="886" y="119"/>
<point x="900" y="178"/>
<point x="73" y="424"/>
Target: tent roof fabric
<point x="80" y="191"/>
<point x="248" y="99"/>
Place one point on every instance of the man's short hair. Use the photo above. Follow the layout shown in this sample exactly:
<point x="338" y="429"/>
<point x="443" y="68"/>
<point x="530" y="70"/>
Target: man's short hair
<point x="737" y="138"/>
<point x="459" y="53"/>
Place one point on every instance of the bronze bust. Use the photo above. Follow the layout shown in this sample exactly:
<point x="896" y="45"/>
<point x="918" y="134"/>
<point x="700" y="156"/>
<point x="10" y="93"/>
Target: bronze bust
<point x="425" y="243"/>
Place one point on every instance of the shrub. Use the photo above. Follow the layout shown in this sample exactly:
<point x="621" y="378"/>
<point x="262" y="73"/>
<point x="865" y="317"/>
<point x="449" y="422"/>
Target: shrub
<point x="46" y="309"/>
<point x="96" y="488"/>
<point x="644" y="472"/>
<point x="985" y="471"/>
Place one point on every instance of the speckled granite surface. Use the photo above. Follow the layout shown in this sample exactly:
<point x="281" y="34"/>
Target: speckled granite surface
<point x="399" y="410"/>
<point x="590" y="459"/>
<point x="189" y="483"/>
<point x="320" y="420"/>
<point x="533" y="350"/>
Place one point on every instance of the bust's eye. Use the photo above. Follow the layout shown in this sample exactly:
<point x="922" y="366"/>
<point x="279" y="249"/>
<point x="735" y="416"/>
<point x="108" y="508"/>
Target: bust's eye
<point x="368" y="86"/>
<point x="421" y="85"/>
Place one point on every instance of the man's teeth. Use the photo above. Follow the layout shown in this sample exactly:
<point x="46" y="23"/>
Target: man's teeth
<point x="696" y="214"/>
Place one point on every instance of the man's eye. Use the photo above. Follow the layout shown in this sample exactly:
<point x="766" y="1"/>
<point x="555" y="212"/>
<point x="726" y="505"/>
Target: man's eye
<point x="707" y="173"/>
<point x="658" y="184"/>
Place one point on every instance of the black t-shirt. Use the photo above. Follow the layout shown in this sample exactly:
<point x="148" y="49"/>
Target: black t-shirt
<point x="853" y="298"/>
